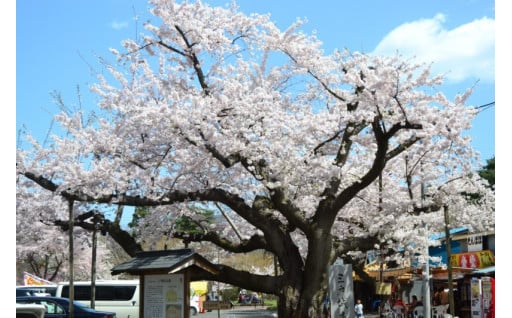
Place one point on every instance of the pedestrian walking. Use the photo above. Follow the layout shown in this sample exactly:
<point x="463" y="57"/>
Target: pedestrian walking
<point x="359" y="309"/>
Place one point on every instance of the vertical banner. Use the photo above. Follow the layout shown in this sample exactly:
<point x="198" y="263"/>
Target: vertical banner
<point x="487" y="296"/>
<point x="476" y="298"/>
<point x="341" y="290"/>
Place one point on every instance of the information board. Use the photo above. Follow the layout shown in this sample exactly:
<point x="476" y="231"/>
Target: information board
<point x="163" y="296"/>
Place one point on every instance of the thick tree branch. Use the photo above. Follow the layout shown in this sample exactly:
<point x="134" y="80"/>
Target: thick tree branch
<point x="243" y="279"/>
<point x="381" y="156"/>
<point x="122" y="237"/>
<point x="255" y="242"/>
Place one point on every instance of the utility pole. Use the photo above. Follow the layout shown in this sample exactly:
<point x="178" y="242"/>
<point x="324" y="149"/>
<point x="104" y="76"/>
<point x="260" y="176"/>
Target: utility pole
<point x="95" y="224"/>
<point x="426" y="300"/>
<point x="71" y="225"/>
<point x="449" y="257"/>
<point x="218" y="287"/>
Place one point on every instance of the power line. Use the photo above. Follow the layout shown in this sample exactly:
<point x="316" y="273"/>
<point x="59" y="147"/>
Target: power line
<point x="481" y="108"/>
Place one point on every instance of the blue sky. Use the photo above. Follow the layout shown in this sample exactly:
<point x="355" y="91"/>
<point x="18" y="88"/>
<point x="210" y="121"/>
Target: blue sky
<point x="58" y="44"/>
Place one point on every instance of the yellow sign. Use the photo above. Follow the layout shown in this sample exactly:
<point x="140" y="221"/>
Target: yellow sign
<point x="480" y="259"/>
<point x="198" y="288"/>
<point x="383" y="288"/>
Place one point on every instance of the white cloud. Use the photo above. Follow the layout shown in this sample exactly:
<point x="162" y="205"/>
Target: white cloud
<point x="118" y="25"/>
<point x="465" y="52"/>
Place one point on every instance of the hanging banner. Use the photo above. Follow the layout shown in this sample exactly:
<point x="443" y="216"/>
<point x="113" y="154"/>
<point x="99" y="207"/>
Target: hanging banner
<point x="481" y="259"/>
<point x="33" y="280"/>
<point x="488" y="297"/>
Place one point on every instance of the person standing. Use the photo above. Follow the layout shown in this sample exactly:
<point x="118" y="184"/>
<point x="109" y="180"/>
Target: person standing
<point x="327" y="306"/>
<point x="359" y="309"/>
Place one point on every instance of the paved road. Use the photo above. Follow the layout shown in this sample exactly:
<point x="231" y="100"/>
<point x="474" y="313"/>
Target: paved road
<point x="249" y="312"/>
<point x="238" y="313"/>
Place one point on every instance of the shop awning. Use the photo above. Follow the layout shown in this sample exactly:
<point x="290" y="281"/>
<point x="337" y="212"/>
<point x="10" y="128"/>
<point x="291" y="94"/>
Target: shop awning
<point x="442" y="273"/>
<point x="395" y="272"/>
<point x="487" y="270"/>
<point x="374" y="270"/>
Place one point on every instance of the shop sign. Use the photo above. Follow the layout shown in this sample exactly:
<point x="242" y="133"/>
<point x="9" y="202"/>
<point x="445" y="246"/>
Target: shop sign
<point x="383" y="288"/>
<point x="480" y="259"/>
<point x="475" y="243"/>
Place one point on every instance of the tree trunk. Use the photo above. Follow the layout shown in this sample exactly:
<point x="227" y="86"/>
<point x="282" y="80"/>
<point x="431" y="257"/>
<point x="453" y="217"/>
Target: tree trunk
<point x="307" y="299"/>
<point x="293" y="304"/>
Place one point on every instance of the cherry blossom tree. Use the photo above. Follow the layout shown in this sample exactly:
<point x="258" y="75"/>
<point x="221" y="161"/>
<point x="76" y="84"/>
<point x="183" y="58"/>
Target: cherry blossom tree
<point x="42" y="240"/>
<point x="311" y="156"/>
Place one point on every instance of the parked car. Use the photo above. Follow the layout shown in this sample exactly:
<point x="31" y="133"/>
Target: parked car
<point x="58" y="307"/>
<point x="40" y="290"/>
<point x="120" y="296"/>
<point x="194" y="305"/>
<point x="30" y="311"/>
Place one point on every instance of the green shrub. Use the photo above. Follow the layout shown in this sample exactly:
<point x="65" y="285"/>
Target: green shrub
<point x="231" y="294"/>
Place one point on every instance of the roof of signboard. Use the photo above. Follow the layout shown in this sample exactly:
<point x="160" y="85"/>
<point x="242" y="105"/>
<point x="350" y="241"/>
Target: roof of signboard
<point x="166" y="261"/>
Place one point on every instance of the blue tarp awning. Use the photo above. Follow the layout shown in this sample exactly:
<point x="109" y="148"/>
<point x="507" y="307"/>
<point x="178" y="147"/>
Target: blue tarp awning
<point x="487" y="270"/>
<point x="441" y="235"/>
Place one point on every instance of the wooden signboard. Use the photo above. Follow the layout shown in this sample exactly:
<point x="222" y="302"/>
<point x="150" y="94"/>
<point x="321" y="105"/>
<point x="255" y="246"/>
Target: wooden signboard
<point x="214" y="305"/>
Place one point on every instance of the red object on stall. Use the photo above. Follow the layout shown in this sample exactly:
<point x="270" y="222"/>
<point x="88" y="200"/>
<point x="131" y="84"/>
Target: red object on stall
<point x="492" y="305"/>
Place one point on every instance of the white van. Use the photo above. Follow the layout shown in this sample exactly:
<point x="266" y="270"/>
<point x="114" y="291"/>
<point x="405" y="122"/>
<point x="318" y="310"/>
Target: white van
<point x="119" y="296"/>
